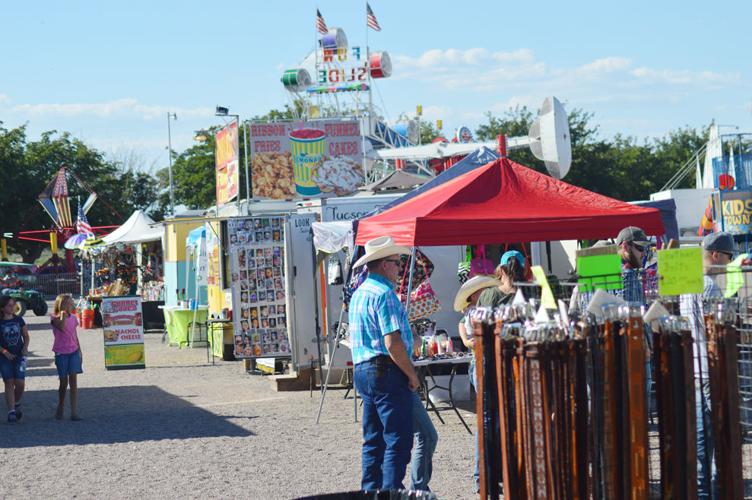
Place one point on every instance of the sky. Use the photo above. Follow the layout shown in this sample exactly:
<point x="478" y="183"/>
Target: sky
<point x="109" y="72"/>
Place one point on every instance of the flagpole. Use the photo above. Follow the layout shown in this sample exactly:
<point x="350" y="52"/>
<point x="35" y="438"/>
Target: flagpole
<point x="370" y="105"/>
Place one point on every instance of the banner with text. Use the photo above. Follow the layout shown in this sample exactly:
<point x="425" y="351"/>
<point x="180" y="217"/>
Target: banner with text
<point x="226" y="163"/>
<point x="122" y="321"/>
<point x="306" y="159"/>
<point x="732" y="211"/>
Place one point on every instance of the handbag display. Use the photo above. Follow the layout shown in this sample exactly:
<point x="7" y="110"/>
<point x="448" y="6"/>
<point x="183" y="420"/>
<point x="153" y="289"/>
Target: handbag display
<point x="423" y="302"/>
<point x="463" y="268"/>
<point x="481" y="264"/>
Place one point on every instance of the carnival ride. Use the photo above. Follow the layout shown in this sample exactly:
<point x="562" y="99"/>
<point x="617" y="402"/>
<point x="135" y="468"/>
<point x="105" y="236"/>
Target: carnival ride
<point x="56" y="202"/>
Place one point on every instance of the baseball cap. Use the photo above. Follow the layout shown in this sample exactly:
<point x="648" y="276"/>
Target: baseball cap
<point x="632" y="234"/>
<point x="719" y="242"/>
<point x="512" y="254"/>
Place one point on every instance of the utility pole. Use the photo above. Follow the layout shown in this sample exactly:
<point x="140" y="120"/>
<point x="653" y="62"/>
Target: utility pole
<point x="170" y="117"/>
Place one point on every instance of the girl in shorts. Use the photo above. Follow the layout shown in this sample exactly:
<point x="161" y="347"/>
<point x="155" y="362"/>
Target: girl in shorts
<point x="68" y="356"/>
<point x="14" y="347"/>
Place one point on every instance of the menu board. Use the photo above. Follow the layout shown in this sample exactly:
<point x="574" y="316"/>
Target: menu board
<point x="123" y="325"/>
<point x="259" y="295"/>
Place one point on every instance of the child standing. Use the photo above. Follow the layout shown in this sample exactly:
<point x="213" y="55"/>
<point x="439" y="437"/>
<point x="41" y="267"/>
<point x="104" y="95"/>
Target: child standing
<point x="14" y="347"/>
<point x="68" y="356"/>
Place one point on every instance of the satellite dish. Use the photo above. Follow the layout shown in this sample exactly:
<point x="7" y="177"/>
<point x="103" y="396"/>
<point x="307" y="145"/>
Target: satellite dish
<point x="549" y="138"/>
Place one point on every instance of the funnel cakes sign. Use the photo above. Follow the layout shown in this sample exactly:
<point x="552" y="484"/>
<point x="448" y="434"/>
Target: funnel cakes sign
<point x="306" y="159"/>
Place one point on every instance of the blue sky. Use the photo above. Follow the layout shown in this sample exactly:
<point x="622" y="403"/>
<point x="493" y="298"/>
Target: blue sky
<point x="109" y="71"/>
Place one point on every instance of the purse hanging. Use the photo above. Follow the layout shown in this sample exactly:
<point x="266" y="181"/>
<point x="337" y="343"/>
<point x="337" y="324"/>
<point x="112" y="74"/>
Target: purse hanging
<point x="481" y="264"/>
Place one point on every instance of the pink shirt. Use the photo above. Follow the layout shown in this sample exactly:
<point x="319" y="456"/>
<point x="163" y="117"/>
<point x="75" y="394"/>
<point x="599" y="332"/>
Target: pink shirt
<point x="66" y="340"/>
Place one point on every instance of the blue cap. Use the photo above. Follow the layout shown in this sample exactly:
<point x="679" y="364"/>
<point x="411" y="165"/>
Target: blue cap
<point x="512" y="254"/>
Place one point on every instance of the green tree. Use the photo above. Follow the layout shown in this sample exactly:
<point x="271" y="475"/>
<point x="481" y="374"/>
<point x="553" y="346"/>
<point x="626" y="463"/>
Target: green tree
<point x="28" y="166"/>
<point x="620" y="167"/>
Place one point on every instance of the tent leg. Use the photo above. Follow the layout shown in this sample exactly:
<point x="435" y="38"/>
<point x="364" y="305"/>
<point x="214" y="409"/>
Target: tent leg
<point x="331" y="362"/>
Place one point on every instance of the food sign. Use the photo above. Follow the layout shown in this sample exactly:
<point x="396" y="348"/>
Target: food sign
<point x="306" y="159"/>
<point x="226" y="163"/>
<point x="122" y="321"/>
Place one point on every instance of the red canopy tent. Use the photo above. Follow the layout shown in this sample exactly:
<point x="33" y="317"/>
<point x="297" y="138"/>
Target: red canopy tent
<point x="505" y="202"/>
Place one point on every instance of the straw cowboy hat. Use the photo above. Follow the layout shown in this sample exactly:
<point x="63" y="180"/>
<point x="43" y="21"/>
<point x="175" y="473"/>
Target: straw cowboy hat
<point x="380" y="247"/>
<point x="470" y="287"/>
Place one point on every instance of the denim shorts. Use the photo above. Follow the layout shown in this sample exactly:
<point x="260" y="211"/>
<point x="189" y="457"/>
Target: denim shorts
<point x="15" y="369"/>
<point x="68" y="364"/>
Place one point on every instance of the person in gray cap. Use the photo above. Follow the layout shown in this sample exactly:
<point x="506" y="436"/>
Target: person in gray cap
<point x="718" y="251"/>
<point x="633" y="245"/>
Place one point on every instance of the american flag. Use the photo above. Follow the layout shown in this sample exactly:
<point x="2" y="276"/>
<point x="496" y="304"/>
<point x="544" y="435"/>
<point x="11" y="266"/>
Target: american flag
<point x="371" y="19"/>
<point x="320" y="23"/>
<point x="82" y="224"/>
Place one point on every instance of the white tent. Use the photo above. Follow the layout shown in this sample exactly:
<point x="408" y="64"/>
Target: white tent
<point x="137" y="229"/>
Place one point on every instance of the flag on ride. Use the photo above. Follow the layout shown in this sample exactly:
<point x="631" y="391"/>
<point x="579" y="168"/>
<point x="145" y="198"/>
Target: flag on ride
<point x="320" y="23"/>
<point x="371" y="19"/>
<point x="82" y="224"/>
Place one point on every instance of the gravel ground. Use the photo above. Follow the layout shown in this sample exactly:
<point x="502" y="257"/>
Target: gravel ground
<point x="184" y="428"/>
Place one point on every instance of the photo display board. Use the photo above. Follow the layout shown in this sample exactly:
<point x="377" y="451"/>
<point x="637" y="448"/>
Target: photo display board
<point x="259" y="295"/>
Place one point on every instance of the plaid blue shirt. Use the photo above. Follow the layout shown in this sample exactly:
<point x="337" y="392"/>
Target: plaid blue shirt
<point x="375" y="311"/>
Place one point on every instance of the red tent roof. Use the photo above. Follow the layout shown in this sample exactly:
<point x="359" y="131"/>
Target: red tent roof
<point x="504" y="202"/>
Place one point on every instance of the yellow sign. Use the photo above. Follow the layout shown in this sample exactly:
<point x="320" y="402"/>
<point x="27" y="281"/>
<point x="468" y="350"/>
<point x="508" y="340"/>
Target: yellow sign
<point x="214" y="276"/>
<point x="226" y="163"/>
<point x="547" y="296"/>
<point x="124" y="356"/>
<point x="680" y="271"/>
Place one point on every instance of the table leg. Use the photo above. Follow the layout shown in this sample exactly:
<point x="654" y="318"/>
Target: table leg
<point x="451" y="399"/>
<point x="422" y="376"/>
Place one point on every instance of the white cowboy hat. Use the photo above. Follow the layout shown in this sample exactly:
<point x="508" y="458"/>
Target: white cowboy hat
<point x="380" y="247"/>
<point x="470" y="287"/>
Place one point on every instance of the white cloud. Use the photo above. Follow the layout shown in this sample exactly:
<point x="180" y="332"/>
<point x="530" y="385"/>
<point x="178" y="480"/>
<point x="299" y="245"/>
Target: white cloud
<point x="4" y="99"/>
<point x="447" y="58"/>
<point x="117" y="107"/>
<point x="684" y="77"/>
<point x="604" y="65"/>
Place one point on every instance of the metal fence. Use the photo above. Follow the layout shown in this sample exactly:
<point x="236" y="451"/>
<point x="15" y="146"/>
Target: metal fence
<point x="740" y="303"/>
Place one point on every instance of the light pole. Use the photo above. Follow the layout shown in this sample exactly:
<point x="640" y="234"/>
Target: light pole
<point x="170" y="117"/>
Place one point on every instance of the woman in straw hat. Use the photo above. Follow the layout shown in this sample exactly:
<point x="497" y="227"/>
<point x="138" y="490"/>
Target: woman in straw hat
<point x="465" y="300"/>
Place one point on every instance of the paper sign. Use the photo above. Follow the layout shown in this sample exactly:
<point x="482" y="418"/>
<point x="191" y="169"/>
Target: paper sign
<point x="734" y="277"/>
<point x="547" y="296"/>
<point x="600" y="272"/>
<point x="680" y="271"/>
<point x="123" y="331"/>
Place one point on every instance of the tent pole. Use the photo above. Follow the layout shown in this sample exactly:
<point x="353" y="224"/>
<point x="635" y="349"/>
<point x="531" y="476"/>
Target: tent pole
<point x="410" y="287"/>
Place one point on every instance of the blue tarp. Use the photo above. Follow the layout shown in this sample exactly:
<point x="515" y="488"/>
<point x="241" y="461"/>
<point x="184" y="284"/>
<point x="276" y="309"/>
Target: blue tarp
<point x="195" y="236"/>
<point x="668" y="215"/>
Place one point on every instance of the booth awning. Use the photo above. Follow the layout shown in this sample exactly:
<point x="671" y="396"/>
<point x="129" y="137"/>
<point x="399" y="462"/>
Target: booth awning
<point x="504" y="202"/>
<point x="137" y="229"/>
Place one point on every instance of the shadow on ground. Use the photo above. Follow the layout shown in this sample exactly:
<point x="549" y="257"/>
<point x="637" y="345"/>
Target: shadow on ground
<point x="115" y="415"/>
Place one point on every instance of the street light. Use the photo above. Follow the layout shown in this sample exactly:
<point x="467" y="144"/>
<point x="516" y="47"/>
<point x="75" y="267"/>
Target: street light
<point x="224" y="111"/>
<point x="170" y="117"/>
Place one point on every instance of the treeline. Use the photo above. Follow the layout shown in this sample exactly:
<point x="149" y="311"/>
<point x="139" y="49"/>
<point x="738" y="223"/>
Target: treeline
<point x="621" y="167"/>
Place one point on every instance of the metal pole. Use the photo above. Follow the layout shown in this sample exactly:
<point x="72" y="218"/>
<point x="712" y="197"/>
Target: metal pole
<point x="246" y="135"/>
<point x="169" y="156"/>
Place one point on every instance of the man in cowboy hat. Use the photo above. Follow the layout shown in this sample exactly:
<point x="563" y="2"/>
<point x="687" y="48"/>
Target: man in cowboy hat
<point x="381" y="340"/>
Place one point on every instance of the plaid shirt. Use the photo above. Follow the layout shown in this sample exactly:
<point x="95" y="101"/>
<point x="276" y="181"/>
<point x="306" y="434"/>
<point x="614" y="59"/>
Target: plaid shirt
<point x="375" y="311"/>
<point x="690" y="307"/>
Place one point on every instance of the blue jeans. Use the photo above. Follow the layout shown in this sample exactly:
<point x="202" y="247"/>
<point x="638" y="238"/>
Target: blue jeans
<point x="476" y="469"/>
<point x="421" y="466"/>
<point x="705" y="479"/>
<point x="387" y="424"/>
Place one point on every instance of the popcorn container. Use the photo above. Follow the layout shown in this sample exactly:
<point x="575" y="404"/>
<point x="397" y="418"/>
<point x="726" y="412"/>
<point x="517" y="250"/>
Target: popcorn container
<point x="307" y="147"/>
